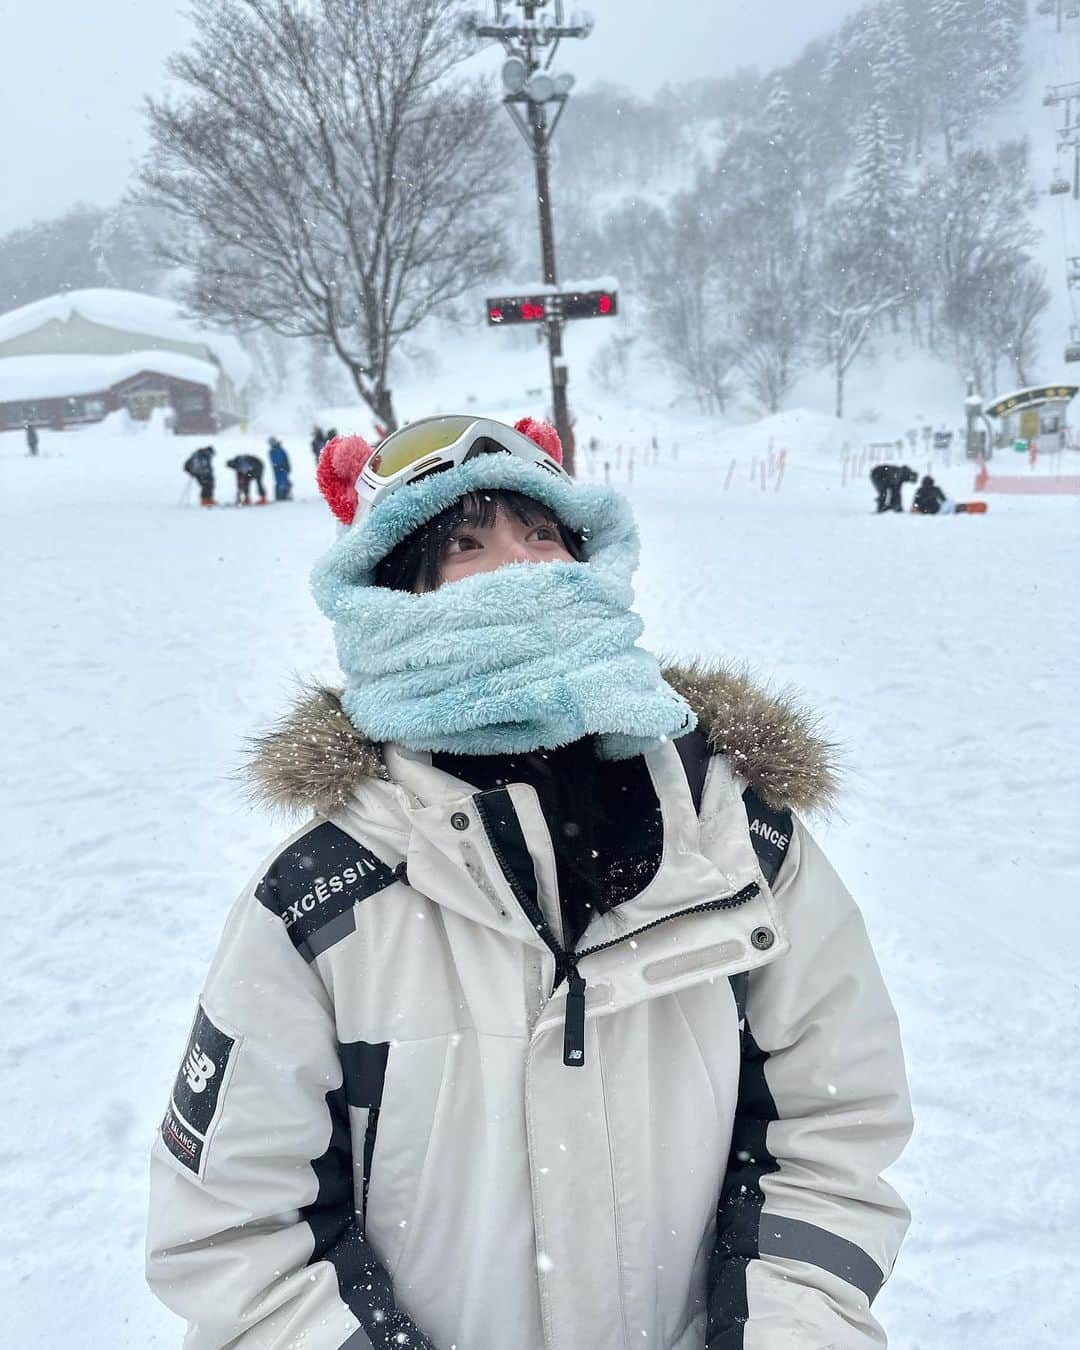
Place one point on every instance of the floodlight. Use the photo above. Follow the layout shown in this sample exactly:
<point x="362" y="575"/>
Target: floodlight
<point x="540" y="86"/>
<point x="514" y="74"/>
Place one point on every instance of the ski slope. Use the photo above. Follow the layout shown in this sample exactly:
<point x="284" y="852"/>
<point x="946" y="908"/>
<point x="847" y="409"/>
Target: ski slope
<point x="146" y="638"/>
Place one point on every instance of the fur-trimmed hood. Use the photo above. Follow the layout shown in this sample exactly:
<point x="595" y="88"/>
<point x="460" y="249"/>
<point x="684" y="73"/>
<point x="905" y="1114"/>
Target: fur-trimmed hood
<point x="314" y="759"/>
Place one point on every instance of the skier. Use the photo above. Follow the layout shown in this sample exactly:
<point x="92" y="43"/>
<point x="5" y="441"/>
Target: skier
<point x="200" y="464"/>
<point x="888" y="479"/>
<point x="929" y="498"/>
<point x="31" y="439"/>
<point x="279" y="462"/>
<point x="248" y="469"/>
<point x="501" y="1048"/>
<point x="318" y="440"/>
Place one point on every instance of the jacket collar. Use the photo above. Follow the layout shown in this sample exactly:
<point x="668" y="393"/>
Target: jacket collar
<point x="488" y="856"/>
<point x="315" y="760"/>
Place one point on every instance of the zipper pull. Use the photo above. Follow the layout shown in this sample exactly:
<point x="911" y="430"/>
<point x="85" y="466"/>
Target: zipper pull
<point x="574" y="1027"/>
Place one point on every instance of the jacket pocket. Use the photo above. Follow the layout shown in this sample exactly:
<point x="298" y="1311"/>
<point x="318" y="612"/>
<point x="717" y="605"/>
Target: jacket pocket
<point x="397" y="1146"/>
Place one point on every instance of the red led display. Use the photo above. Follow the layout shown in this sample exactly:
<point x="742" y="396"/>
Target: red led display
<point x="516" y="309"/>
<point x="571" y="304"/>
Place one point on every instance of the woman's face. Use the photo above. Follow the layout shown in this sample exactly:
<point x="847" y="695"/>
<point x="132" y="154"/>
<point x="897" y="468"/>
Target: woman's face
<point x="484" y="548"/>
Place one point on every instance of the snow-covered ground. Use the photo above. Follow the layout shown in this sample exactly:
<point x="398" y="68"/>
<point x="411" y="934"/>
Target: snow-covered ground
<point x="144" y="638"/>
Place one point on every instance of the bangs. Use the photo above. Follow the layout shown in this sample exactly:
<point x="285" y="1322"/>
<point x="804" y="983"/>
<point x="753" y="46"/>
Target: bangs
<point x="418" y="558"/>
<point x="479" y="509"/>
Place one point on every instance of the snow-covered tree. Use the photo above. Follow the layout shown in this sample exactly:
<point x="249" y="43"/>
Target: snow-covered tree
<point x="323" y="172"/>
<point x="848" y="299"/>
<point x="85" y="246"/>
<point x="879" y="204"/>
<point x="977" y="233"/>
<point x="893" y="76"/>
<point x="684" y="289"/>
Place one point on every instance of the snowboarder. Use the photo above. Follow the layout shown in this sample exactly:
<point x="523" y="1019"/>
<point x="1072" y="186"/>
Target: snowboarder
<point x="502" y="1049"/>
<point x="929" y="498"/>
<point x="31" y="439"/>
<point x="318" y="440"/>
<point x="888" y="479"/>
<point x="931" y="501"/>
<point x="279" y="462"/>
<point x="248" y="469"/>
<point x="200" y="464"/>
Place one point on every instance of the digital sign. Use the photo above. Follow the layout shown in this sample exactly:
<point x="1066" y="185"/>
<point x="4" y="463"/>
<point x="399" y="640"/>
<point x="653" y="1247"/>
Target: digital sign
<point x="505" y="309"/>
<point x="589" y="304"/>
<point x="516" y="309"/>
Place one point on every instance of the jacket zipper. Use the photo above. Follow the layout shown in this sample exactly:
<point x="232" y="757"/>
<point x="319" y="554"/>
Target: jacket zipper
<point x="566" y="963"/>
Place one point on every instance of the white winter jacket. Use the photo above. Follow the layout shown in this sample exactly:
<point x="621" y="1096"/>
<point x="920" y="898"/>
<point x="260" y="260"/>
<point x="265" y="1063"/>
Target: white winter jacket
<point x="403" y="1118"/>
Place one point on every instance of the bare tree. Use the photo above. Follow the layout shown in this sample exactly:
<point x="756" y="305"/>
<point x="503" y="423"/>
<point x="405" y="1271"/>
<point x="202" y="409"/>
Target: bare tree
<point x="324" y="177"/>
<point x="853" y="291"/>
<point x="770" y="334"/>
<point x="1028" y="297"/>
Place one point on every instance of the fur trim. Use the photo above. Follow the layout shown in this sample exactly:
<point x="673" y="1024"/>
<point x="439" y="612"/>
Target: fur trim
<point x="772" y="740"/>
<point x="314" y="759"/>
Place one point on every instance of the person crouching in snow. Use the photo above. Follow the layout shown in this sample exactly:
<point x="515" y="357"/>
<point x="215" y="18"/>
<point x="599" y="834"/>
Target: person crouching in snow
<point x="929" y="498"/>
<point x="248" y="470"/>
<point x="888" y="481"/>
<point x="551" y="1027"/>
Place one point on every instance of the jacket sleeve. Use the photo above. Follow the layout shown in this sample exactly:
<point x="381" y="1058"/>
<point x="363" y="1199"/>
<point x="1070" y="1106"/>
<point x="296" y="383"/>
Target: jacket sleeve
<point x="253" y="1235"/>
<point x="807" y="1230"/>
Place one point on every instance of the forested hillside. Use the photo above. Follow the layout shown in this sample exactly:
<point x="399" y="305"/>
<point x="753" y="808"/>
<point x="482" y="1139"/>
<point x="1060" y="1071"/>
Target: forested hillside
<point x="761" y="226"/>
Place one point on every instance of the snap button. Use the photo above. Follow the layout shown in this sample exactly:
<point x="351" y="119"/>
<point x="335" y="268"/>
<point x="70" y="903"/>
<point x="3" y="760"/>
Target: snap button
<point x="762" y="938"/>
<point x="459" y="820"/>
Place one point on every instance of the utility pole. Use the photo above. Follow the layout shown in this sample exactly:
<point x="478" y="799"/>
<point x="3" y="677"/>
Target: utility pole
<point x="526" y="81"/>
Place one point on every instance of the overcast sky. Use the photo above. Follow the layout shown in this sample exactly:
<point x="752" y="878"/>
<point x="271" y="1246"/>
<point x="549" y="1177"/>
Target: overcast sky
<point x="75" y="73"/>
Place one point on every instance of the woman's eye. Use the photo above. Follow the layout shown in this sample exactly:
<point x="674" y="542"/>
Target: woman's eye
<point x="547" y="532"/>
<point x="461" y="543"/>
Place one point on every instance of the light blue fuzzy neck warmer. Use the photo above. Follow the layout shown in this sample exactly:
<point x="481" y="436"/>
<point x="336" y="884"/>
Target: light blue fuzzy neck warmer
<point x="532" y="655"/>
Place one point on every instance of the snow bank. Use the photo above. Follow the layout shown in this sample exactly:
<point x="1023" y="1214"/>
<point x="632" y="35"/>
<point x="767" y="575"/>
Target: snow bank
<point x="132" y="312"/>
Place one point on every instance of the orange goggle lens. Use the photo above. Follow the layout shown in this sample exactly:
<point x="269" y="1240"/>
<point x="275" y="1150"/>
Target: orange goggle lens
<point x="412" y="444"/>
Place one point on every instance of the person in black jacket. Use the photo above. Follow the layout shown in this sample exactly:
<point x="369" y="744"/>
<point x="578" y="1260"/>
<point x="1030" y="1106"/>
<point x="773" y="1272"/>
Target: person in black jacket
<point x="929" y="499"/>
<point x="888" y="479"/>
<point x="31" y="439"/>
<point x="200" y="464"/>
<point x="248" y="468"/>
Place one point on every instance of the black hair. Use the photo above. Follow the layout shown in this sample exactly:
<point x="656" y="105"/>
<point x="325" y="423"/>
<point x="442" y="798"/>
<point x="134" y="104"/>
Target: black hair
<point x="417" y="560"/>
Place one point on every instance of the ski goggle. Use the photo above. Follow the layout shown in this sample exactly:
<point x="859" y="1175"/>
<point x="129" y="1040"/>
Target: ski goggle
<point x="437" y="443"/>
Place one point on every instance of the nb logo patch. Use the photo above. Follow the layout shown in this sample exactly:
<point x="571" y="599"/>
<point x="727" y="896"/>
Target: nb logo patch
<point x="199" y="1068"/>
<point x="198" y="1093"/>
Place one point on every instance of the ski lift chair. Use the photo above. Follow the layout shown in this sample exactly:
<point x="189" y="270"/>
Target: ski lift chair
<point x="1059" y="186"/>
<point x="1072" y="13"/>
<point x="1045" y="6"/>
<point x="1072" y="351"/>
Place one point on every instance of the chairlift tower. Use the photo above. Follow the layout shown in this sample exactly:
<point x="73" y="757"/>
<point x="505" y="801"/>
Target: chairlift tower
<point x="529" y="89"/>
<point x="1068" y="138"/>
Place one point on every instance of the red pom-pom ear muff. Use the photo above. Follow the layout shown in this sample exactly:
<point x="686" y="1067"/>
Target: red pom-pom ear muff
<point x="544" y="434"/>
<point x="340" y="464"/>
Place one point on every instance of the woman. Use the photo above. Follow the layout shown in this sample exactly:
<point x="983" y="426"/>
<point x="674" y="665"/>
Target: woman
<point x="553" y="1029"/>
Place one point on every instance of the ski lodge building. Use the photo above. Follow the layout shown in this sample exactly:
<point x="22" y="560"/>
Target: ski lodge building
<point x="74" y="358"/>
